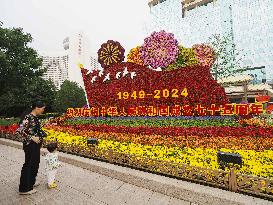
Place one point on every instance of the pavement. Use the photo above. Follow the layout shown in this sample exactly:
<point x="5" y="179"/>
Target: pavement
<point x="75" y="186"/>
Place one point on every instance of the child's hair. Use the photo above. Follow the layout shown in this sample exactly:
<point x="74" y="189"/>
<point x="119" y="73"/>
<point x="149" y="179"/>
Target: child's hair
<point x="52" y="147"/>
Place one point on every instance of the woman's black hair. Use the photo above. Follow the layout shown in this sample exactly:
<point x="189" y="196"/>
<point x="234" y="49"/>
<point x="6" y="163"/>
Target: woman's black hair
<point x="35" y="104"/>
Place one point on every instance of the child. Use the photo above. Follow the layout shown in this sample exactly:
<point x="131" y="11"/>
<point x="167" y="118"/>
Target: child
<point x="52" y="164"/>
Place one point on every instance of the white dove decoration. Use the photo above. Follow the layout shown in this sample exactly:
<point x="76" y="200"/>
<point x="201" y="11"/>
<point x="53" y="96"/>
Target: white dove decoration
<point x="101" y="73"/>
<point x="94" y="79"/>
<point x="125" y="72"/>
<point x="133" y="74"/>
<point x="107" y="77"/>
<point x="157" y="69"/>
<point x="118" y="75"/>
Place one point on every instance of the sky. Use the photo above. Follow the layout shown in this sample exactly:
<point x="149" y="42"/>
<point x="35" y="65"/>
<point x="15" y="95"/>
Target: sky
<point x="50" y="21"/>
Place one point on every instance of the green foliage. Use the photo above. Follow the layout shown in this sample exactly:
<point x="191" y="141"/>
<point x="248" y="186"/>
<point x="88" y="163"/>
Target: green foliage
<point x="155" y="122"/>
<point x="9" y="121"/>
<point x="49" y="115"/>
<point x="14" y="101"/>
<point x="228" y="58"/>
<point x="20" y="73"/>
<point x="69" y="96"/>
<point x="186" y="57"/>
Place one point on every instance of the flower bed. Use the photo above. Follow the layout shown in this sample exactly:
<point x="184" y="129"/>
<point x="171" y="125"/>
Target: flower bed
<point x="9" y="129"/>
<point x="247" y="143"/>
<point x="9" y="121"/>
<point x="188" y="141"/>
<point x="224" y="131"/>
<point x="157" y="122"/>
<point x="258" y="163"/>
<point x="187" y="157"/>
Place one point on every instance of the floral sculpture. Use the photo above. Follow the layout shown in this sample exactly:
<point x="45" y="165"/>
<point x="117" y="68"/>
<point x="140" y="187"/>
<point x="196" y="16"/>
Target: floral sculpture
<point x="205" y="54"/>
<point x="134" y="56"/>
<point x="110" y="53"/>
<point x="186" y="57"/>
<point x="159" y="50"/>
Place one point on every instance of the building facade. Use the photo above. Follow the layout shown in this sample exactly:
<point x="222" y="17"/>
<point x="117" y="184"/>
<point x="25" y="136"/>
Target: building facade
<point x="77" y="48"/>
<point x="94" y="64"/>
<point x="56" y="65"/>
<point x="64" y="65"/>
<point x="250" y="23"/>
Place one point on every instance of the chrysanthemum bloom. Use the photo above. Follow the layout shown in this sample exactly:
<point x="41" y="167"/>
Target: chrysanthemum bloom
<point x="110" y="53"/>
<point x="205" y="54"/>
<point x="134" y="56"/>
<point x="159" y="50"/>
<point x="186" y="57"/>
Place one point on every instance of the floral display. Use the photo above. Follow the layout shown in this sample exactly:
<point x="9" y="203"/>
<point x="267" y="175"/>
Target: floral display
<point x="125" y="77"/>
<point x="134" y="83"/>
<point x="156" y="122"/>
<point x="205" y="54"/>
<point x="10" y="129"/>
<point x="186" y="140"/>
<point x="110" y="53"/>
<point x="134" y="56"/>
<point x="223" y="131"/>
<point x="186" y="57"/>
<point x="192" y="141"/>
<point x="159" y="50"/>
<point x="254" y="122"/>
<point x="255" y="163"/>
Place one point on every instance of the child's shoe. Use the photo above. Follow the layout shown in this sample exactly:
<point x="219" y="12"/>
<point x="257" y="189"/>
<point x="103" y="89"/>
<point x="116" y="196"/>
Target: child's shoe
<point x="53" y="185"/>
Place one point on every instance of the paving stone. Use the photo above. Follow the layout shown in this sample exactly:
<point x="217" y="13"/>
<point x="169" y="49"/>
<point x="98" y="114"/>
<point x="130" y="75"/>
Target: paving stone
<point x="174" y="201"/>
<point x="140" y="196"/>
<point x="159" y="199"/>
<point x="20" y="201"/>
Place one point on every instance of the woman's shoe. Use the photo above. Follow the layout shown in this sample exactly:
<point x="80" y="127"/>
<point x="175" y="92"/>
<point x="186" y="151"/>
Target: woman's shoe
<point x="53" y="185"/>
<point x="33" y="191"/>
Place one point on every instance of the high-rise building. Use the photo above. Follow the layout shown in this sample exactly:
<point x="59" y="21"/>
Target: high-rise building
<point x="64" y="65"/>
<point x="56" y="65"/>
<point x="94" y="64"/>
<point x="77" y="47"/>
<point x="250" y="23"/>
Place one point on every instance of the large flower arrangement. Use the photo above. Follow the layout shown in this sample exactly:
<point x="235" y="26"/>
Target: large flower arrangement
<point x="110" y="53"/>
<point x="186" y="57"/>
<point x="205" y="54"/>
<point x="202" y="88"/>
<point x="134" y="56"/>
<point x="159" y="50"/>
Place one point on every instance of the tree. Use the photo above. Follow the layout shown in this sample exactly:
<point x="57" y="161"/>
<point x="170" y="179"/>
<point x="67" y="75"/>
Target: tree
<point x="20" y="73"/>
<point x="228" y="58"/>
<point x="70" y="95"/>
<point x="14" y="101"/>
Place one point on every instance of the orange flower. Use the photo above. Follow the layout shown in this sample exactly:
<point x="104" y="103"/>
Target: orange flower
<point x="134" y="56"/>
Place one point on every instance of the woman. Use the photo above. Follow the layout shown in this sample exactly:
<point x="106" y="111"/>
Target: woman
<point x="30" y="130"/>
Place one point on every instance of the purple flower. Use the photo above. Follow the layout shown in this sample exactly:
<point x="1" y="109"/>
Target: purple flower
<point x="159" y="50"/>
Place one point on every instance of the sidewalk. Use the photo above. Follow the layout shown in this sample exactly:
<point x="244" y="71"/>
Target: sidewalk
<point x="76" y="186"/>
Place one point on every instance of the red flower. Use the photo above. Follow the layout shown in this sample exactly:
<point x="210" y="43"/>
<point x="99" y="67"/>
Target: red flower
<point x="202" y="88"/>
